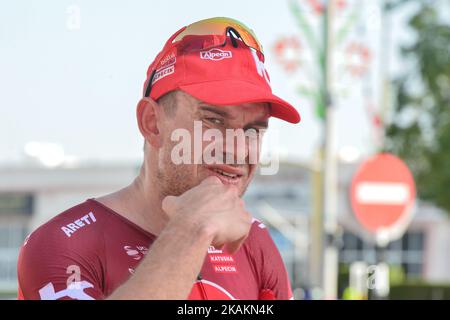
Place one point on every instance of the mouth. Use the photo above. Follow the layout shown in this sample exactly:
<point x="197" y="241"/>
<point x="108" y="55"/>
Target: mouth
<point x="227" y="174"/>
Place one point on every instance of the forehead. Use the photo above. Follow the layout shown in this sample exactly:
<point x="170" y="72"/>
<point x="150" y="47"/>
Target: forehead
<point x="257" y="109"/>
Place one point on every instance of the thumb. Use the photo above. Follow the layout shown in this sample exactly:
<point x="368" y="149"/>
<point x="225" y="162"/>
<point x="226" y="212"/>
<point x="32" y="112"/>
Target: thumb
<point x="168" y="204"/>
<point x="211" y="180"/>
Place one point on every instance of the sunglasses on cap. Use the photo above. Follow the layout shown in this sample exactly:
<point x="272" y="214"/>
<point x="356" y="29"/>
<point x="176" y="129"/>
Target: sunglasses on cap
<point x="218" y="29"/>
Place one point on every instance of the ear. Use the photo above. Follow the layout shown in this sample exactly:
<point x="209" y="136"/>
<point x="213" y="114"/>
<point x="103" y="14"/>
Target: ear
<point x="147" y="113"/>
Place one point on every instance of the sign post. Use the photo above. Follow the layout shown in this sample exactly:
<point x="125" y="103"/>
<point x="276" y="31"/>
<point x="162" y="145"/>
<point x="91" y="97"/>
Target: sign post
<point x="382" y="196"/>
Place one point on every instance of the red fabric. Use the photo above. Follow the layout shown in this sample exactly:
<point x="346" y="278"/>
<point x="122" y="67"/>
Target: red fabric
<point x="89" y="250"/>
<point x="267" y="294"/>
<point x="19" y="294"/>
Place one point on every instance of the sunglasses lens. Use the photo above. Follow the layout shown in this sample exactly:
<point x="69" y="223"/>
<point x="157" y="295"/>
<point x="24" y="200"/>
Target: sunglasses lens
<point x="218" y="26"/>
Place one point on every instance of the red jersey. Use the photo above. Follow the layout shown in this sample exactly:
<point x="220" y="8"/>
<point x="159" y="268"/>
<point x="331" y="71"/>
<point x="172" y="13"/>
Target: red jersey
<point x="89" y="250"/>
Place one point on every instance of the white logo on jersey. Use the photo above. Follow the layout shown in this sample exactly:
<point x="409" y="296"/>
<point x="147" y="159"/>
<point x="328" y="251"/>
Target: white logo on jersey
<point x="260" y="224"/>
<point x="212" y="249"/>
<point x="217" y="287"/>
<point x="25" y="242"/>
<point x="137" y="253"/>
<point x="75" y="290"/>
<point x="70" y="228"/>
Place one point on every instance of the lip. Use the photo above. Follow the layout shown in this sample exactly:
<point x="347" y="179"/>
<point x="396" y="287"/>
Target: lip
<point x="228" y="169"/>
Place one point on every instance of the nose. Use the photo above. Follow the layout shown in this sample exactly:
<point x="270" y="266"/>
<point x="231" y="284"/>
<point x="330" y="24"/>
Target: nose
<point x="233" y="147"/>
<point x="237" y="147"/>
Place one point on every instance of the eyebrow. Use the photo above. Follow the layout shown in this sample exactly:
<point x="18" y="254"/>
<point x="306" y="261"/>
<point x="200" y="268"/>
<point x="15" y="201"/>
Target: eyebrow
<point x="258" y="123"/>
<point x="262" y="123"/>
<point x="222" y="113"/>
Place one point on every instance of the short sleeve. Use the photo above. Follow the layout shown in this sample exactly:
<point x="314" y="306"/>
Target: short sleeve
<point x="269" y="263"/>
<point x="52" y="266"/>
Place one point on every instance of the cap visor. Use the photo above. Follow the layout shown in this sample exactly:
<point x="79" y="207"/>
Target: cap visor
<point x="235" y="92"/>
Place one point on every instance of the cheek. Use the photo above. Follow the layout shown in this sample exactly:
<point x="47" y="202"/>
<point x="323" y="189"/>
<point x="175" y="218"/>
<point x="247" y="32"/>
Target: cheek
<point x="172" y="159"/>
<point x="251" y="171"/>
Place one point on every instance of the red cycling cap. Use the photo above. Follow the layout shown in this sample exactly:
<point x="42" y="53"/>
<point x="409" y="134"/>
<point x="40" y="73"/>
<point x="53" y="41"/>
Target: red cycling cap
<point x="231" y="73"/>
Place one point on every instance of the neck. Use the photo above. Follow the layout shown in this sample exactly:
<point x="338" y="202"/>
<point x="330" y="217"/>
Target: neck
<point x="140" y="203"/>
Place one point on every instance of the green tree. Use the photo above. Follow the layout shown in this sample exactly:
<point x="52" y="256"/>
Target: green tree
<point x="419" y="131"/>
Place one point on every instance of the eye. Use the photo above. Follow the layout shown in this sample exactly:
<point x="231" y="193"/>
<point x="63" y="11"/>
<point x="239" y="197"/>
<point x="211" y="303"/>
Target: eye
<point x="256" y="130"/>
<point x="215" y="121"/>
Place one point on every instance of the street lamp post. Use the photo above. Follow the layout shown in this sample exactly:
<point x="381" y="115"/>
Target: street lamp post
<point x="330" y="250"/>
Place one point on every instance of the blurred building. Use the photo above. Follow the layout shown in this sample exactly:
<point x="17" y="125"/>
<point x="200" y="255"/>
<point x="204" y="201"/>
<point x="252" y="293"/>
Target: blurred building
<point x="31" y="195"/>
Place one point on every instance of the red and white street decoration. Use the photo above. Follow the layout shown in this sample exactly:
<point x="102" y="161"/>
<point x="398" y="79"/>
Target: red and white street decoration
<point x="317" y="5"/>
<point x="382" y="197"/>
<point x="358" y="57"/>
<point x="288" y="51"/>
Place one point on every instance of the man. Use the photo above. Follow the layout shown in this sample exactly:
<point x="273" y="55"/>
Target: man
<point x="180" y="229"/>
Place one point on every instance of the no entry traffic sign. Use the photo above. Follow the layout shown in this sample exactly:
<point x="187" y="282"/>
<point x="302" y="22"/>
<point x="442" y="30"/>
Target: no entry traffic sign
<point x="383" y="193"/>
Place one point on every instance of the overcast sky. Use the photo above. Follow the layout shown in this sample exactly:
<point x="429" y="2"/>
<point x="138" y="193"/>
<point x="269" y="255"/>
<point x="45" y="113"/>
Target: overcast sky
<point x="71" y="72"/>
